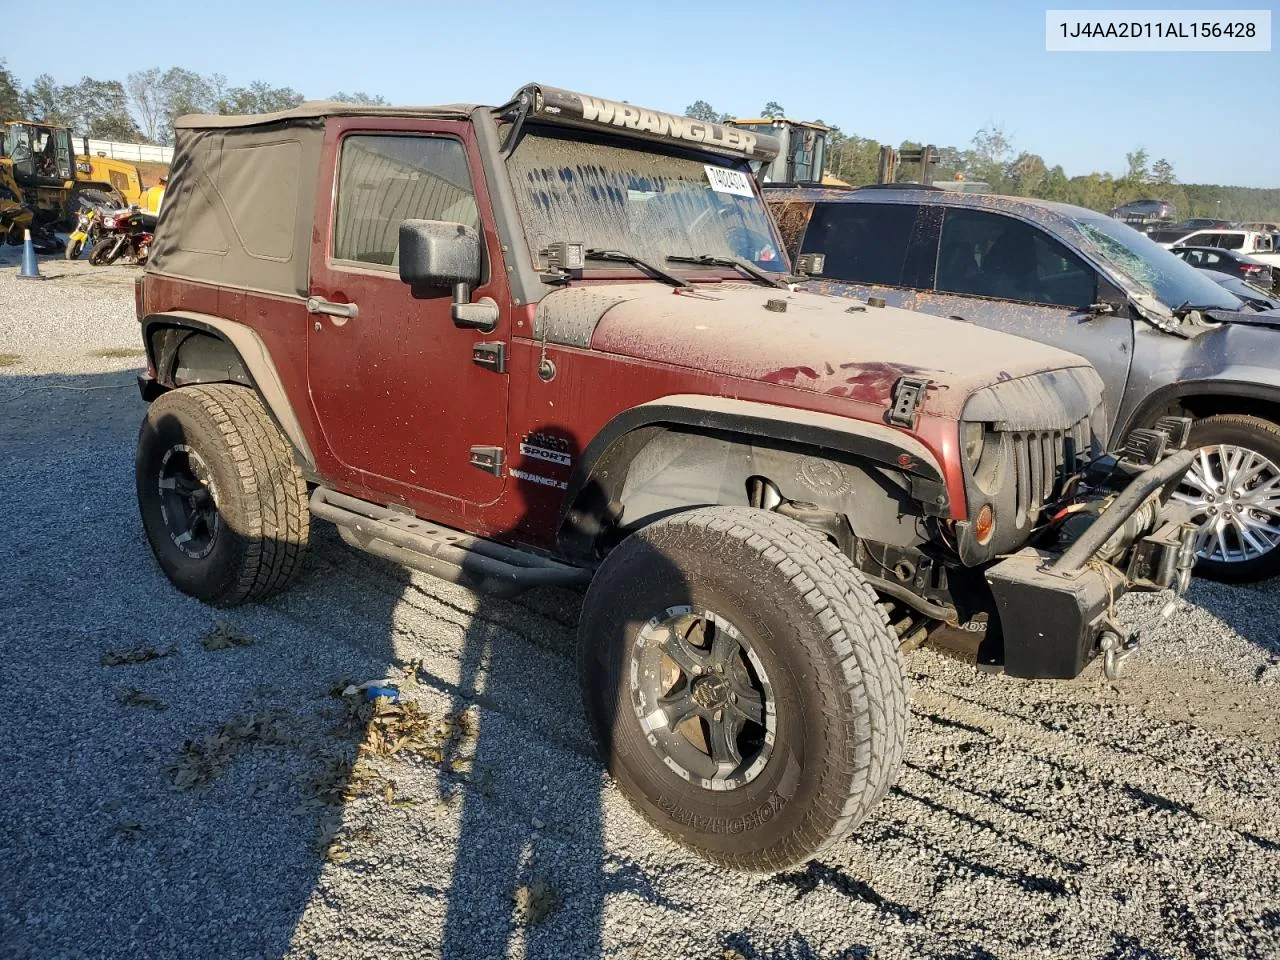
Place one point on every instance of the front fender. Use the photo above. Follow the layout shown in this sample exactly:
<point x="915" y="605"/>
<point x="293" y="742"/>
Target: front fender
<point x="1236" y="361"/>
<point x="601" y="472"/>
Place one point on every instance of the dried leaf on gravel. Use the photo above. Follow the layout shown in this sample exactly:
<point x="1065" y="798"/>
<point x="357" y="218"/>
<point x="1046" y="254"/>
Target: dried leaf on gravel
<point x="535" y="902"/>
<point x="139" y="654"/>
<point x="391" y="728"/>
<point x="9" y="359"/>
<point x="223" y="636"/>
<point x="133" y="697"/>
<point x="332" y="783"/>
<point x="201" y="761"/>
<point x="127" y="831"/>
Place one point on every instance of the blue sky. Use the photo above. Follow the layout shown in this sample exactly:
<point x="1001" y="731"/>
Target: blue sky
<point x="929" y="71"/>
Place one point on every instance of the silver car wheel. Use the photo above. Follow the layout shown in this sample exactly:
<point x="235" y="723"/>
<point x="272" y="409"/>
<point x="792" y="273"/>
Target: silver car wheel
<point x="1235" y="493"/>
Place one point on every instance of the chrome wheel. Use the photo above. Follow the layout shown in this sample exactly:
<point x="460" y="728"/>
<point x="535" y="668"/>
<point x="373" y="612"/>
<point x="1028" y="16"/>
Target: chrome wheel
<point x="1235" y="493"/>
<point x="702" y="698"/>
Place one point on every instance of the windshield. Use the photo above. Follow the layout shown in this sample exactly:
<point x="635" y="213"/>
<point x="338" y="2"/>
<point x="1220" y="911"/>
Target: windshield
<point x="633" y="199"/>
<point x="1151" y="266"/>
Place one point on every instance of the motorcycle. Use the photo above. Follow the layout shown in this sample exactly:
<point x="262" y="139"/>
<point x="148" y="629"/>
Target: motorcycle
<point x="124" y="233"/>
<point x="87" y="232"/>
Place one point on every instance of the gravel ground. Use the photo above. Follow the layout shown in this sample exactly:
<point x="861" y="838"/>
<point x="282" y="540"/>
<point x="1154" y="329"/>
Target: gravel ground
<point x="1033" y="819"/>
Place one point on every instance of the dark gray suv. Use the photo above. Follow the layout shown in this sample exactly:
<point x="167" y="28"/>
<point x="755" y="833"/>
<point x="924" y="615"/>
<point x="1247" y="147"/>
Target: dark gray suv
<point x="1165" y="338"/>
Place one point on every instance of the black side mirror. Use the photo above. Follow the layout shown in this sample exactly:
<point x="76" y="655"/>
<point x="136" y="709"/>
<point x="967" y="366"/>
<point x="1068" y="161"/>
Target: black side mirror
<point x="438" y="253"/>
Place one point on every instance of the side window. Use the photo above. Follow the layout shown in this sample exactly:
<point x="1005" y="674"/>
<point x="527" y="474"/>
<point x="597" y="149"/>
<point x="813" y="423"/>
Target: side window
<point x="1199" y="240"/>
<point x="863" y="242"/>
<point x="990" y="255"/>
<point x="383" y="180"/>
<point x="1211" y="259"/>
<point x="1231" y="241"/>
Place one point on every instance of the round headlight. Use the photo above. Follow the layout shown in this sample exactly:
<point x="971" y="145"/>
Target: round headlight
<point x="971" y="437"/>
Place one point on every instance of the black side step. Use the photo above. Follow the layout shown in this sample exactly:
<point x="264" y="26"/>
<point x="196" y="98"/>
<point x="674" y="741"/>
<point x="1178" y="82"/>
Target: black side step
<point x="449" y="554"/>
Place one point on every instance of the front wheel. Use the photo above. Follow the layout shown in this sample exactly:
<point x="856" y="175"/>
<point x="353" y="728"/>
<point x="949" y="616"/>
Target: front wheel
<point x="743" y="685"/>
<point x="75" y="247"/>
<point x="1233" y="487"/>
<point x="107" y="250"/>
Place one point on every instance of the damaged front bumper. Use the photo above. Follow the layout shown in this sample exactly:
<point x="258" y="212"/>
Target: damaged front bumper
<point x="1056" y="608"/>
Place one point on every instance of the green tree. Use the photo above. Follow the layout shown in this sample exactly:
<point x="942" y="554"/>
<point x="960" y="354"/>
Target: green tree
<point x="359" y="97"/>
<point x="773" y="110"/>
<point x="45" y="101"/>
<point x="10" y="95"/>
<point x="146" y="98"/>
<point x="701" y="110"/>
<point x="1026" y="174"/>
<point x="100" y="109"/>
<point x="258" y="97"/>
<point x="1162" y="172"/>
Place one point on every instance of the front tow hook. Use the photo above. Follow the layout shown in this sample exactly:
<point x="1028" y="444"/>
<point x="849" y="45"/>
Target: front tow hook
<point x="1115" y="652"/>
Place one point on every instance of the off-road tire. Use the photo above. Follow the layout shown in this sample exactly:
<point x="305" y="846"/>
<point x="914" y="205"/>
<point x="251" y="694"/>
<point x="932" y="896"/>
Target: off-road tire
<point x="261" y="496"/>
<point x="840" y="695"/>
<point x="1261" y="436"/>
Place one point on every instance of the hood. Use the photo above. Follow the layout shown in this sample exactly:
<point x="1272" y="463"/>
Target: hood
<point x="825" y="345"/>
<point x="1264" y="318"/>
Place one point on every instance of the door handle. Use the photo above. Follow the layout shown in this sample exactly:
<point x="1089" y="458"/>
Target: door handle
<point x="347" y="311"/>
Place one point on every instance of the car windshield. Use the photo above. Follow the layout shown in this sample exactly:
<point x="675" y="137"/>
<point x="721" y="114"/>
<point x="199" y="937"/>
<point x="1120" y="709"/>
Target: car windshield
<point x="1169" y="279"/>
<point x="637" y="200"/>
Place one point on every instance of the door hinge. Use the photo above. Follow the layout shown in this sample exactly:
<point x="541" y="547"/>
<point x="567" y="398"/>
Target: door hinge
<point x="488" y="459"/>
<point x="908" y="394"/>
<point x="491" y="356"/>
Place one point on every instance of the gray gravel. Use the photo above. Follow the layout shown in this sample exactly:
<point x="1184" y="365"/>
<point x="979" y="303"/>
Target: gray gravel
<point x="1033" y="819"/>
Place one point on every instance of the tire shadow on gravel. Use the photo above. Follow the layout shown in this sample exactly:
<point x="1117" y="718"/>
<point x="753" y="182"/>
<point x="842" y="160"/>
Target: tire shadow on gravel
<point x="204" y="802"/>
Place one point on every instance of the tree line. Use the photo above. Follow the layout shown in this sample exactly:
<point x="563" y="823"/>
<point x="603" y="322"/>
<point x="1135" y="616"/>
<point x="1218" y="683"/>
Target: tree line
<point x="142" y="108"/>
<point x="991" y="158"/>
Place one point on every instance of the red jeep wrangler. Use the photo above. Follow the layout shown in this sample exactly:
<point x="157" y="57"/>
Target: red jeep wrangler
<point x="555" y="342"/>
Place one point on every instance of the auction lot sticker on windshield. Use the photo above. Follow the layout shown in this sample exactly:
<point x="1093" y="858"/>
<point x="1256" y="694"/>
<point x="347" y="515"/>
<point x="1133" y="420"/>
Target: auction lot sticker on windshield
<point x="723" y="180"/>
<point x="1237" y="31"/>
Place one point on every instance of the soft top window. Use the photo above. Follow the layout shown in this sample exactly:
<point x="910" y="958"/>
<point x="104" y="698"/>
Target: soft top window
<point x="385" y="179"/>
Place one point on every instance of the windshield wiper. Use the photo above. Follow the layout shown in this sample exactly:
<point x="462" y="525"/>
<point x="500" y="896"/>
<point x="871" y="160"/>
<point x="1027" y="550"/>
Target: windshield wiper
<point x="621" y="256"/>
<point x="1189" y="307"/>
<point x="745" y="266"/>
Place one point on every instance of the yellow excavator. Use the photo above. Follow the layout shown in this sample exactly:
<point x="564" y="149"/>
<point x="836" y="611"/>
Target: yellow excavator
<point x="38" y="164"/>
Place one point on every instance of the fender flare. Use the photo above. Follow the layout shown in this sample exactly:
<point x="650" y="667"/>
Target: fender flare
<point x="263" y="375"/>
<point x="873" y="442"/>
<point x="1159" y="400"/>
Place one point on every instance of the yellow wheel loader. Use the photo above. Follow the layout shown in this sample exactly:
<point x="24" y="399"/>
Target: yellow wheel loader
<point x="38" y="163"/>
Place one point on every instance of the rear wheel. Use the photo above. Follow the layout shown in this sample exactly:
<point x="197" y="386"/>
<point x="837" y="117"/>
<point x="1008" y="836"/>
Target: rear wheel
<point x="743" y="685"/>
<point x="222" y="502"/>
<point x="1234" y="487"/>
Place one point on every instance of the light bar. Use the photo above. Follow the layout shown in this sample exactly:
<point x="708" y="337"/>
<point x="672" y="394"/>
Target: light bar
<point x="553" y="105"/>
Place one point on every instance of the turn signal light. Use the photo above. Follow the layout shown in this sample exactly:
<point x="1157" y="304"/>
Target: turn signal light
<point x="985" y="524"/>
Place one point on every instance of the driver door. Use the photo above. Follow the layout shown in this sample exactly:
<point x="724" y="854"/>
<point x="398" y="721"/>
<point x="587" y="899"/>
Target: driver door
<point x="397" y="389"/>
